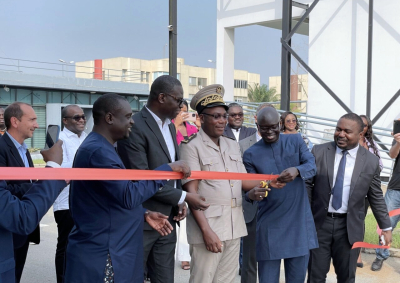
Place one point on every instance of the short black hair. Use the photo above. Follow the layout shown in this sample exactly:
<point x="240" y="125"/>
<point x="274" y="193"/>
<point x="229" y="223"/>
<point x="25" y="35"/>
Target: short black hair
<point x="109" y="102"/>
<point x="234" y="104"/>
<point x="356" y="118"/>
<point x="64" y="111"/>
<point x="163" y="84"/>
<point x="13" y="110"/>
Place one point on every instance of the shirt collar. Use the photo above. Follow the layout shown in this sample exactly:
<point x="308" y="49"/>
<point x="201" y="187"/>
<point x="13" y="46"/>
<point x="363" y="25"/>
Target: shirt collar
<point x="158" y="120"/>
<point x="258" y="137"/>
<point x="235" y="130"/>
<point x="352" y="152"/>
<point x="69" y="133"/>
<point x="17" y="144"/>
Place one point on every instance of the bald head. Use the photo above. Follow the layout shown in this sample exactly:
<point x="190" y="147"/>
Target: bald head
<point x="268" y="115"/>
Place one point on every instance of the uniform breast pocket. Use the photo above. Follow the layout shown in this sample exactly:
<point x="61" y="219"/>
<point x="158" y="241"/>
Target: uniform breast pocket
<point x="293" y="159"/>
<point x="209" y="163"/>
<point x="236" y="160"/>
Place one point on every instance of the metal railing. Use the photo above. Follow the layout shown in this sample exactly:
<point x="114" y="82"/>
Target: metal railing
<point x="321" y="130"/>
<point x="66" y="69"/>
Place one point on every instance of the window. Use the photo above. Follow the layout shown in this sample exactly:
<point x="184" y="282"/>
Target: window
<point x="124" y="71"/>
<point x="299" y="86"/>
<point x="134" y="102"/>
<point x="192" y="81"/>
<point x="237" y="99"/>
<point x="159" y="74"/>
<point x="144" y="77"/>
<point x="202" y="82"/>
<point x="240" y="84"/>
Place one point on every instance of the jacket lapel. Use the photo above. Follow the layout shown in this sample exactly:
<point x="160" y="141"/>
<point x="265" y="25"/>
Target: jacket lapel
<point x="330" y="162"/>
<point x="358" y="166"/>
<point x="172" y="129"/>
<point x="228" y="132"/>
<point x="153" y="126"/>
<point x="14" y="150"/>
<point x="242" y="133"/>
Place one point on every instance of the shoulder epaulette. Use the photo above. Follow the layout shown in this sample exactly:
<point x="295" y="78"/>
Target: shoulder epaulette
<point x="191" y="137"/>
<point x="229" y="137"/>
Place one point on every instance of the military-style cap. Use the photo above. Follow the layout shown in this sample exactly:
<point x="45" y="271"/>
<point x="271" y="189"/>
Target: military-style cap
<point x="207" y="97"/>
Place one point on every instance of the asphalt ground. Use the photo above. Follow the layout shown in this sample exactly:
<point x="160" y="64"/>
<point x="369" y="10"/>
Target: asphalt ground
<point x="40" y="266"/>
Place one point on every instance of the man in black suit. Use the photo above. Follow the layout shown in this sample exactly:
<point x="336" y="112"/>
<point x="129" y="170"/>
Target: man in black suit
<point x="21" y="121"/>
<point x="249" y="261"/>
<point x="235" y="129"/>
<point x="346" y="173"/>
<point x="151" y="143"/>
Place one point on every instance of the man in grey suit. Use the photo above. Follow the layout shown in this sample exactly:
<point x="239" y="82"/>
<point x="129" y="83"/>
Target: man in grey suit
<point x="346" y="173"/>
<point x="151" y="143"/>
<point x="249" y="261"/>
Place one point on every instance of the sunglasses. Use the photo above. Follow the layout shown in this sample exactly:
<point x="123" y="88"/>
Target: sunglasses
<point x="178" y="100"/>
<point x="234" y="115"/>
<point x="217" y="116"/>
<point x="77" y="118"/>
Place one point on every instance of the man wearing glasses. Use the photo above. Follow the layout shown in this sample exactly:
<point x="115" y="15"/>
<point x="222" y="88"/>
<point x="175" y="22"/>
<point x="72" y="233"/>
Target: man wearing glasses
<point x="214" y="234"/>
<point x="74" y="121"/>
<point x="235" y="128"/>
<point x="151" y="143"/>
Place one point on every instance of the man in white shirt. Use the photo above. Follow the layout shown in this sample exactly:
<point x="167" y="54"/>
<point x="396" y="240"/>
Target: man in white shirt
<point x="72" y="135"/>
<point x="346" y="173"/>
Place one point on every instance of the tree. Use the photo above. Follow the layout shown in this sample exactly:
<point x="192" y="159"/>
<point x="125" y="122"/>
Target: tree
<point x="261" y="93"/>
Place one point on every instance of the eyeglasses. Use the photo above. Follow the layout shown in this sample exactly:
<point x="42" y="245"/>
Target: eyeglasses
<point x="178" y="100"/>
<point x="365" y="125"/>
<point x="291" y="121"/>
<point x="77" y="118"/>
<point x="266" y="128"/>
<point x="217" y="116"/>
<point x="234" y="115"/>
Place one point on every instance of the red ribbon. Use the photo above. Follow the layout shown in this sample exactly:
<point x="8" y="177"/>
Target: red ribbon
<point x="21" y="173"/>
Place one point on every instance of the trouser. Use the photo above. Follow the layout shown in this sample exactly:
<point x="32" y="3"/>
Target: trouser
<point x="208" y="267"/>
<point x="333" y="244"/>
<point x="295" y="269"/>
<point x="64" y="226"/>
<point x="249" y="266"/>
<point x="392" y="199"/>
<point x="159" y="255"/>
<point x="20" y="258"/>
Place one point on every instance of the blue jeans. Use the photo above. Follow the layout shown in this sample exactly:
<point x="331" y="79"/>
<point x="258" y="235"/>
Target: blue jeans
<point x="392" y="199"/>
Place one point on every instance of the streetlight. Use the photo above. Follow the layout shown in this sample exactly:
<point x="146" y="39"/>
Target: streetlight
<point x="66" y="64"/>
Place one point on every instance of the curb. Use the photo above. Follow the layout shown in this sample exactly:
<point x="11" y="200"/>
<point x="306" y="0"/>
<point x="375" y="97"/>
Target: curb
<point x="393" y="252"/>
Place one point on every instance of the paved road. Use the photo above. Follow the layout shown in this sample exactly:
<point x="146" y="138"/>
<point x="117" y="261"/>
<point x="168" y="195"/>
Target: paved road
<point x="40" y="262"/>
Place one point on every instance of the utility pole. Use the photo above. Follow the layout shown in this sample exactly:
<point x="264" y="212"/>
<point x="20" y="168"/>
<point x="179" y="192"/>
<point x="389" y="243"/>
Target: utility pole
<point x="173" y="29"/>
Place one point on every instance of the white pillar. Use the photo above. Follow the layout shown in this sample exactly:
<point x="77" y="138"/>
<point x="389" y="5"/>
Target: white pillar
<point x="225" y="59"/>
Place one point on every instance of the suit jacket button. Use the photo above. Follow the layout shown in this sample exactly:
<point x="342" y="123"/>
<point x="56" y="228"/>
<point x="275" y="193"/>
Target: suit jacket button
<point x="326" y="208"/>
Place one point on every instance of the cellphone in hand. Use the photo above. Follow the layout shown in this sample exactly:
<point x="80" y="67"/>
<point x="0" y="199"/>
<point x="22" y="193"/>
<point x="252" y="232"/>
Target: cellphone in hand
<point x="53" y="132"/>
<point x="396" y="127"/>
<point x="192" y="116"/>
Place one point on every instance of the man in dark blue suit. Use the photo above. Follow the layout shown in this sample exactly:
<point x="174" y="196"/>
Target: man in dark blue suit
<point x="107" y="241"/>
<point x="285" y="226"/>
<point x="22" y="216"/>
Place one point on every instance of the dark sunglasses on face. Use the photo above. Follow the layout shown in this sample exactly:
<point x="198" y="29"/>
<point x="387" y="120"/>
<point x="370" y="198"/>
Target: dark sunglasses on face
<point x="291" y="121"/>
<point x="365" y="125"/>
<point x="77" y="118"/>
<point x="234" y="115"/>
<point x="217" y="116"/>
<point x="178" y="100"/>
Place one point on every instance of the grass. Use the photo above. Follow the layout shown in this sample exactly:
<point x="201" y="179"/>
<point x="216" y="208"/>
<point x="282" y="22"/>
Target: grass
<point x="372" y="237"/>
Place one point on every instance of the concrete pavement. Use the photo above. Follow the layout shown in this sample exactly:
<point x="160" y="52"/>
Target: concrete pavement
<point x="40" y="262"/>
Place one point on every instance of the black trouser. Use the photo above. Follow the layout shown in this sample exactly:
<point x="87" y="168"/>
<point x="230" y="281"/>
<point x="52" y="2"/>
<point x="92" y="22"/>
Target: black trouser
<point x="159" y="255"/>
<point x="20" y="258"/>
<point x="249" y="265"/>
<point x="333" y="243"/>
<point x="64" y="225"/>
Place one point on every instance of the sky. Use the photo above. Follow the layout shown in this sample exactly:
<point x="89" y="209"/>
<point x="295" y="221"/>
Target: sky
<point x="49" y="30"/>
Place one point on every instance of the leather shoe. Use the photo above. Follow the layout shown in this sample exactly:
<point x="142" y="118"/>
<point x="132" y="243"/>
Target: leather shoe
<point x="377" y="264"/>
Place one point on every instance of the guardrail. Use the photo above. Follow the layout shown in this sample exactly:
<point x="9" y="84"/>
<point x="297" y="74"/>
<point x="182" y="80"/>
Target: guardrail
<point x="66" y="69"/>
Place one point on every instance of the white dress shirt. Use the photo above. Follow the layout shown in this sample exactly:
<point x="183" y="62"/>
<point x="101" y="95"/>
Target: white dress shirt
<point x="71" y="143"/>
<point x="258" y="137"/>
<point x="236" y="133"/>
<point x="169" y="141"/>
<point x="350" y="161"/>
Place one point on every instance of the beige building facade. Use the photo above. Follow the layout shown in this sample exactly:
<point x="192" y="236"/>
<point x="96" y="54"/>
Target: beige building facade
<point x="123" y="69"/>
<point x="298" y="89"/>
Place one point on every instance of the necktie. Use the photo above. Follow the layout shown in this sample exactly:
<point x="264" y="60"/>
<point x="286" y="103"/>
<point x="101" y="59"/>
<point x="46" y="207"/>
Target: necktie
<point x="338" y="187"/>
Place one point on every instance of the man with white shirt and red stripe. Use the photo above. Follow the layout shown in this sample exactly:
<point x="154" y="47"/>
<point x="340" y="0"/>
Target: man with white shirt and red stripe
<point x="72" y="135"/>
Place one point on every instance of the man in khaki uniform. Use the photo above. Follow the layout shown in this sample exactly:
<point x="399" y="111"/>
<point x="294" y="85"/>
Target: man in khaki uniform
<point x="214" y="234"/>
